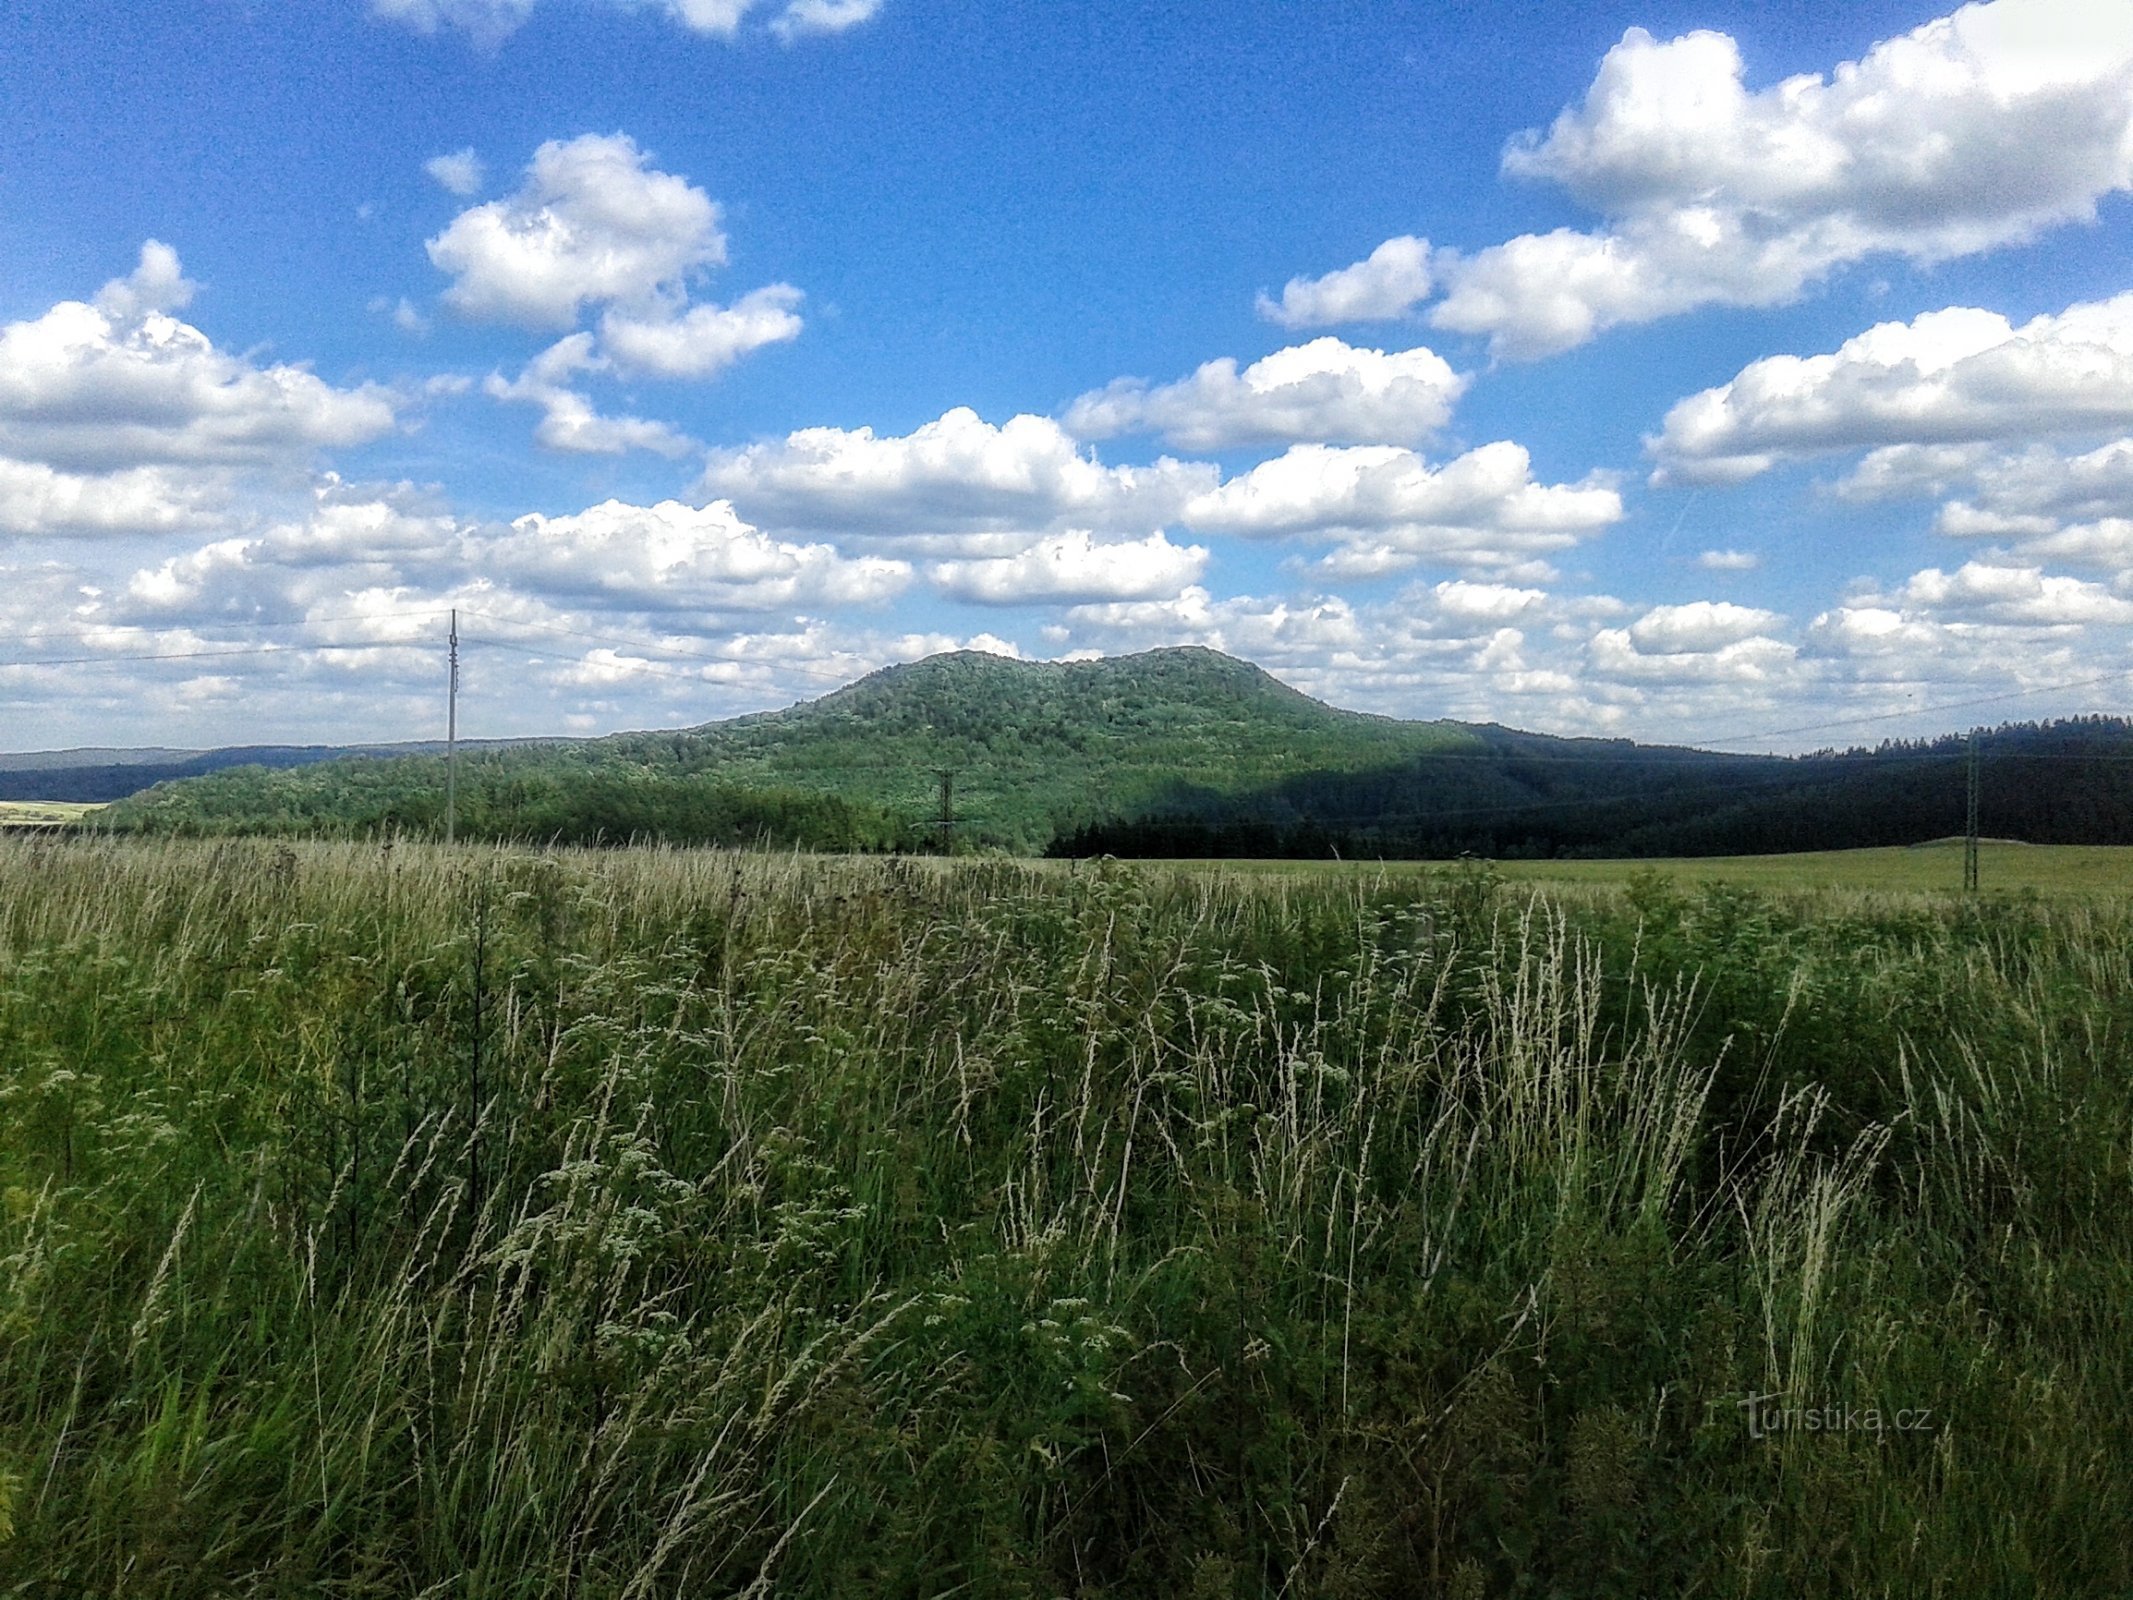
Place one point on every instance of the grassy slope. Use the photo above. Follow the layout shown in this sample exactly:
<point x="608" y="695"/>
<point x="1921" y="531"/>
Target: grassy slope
<point x="838" y="1228"/>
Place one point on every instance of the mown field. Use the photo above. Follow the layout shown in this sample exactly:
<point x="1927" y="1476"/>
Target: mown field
<point x="43" y="813"/>
<point x="386" y="1221"/>
<point x="2005" y="867"/>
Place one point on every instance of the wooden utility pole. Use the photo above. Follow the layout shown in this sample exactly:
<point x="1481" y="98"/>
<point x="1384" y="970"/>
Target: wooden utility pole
<point x="946" y="821"/>
<point x="1970" y="827"/>
<point x="451" y="736"/>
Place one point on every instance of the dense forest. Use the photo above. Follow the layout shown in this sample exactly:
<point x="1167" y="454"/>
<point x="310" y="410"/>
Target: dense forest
<point x="2067" y="782"/>
<point x="1170" y="753"/>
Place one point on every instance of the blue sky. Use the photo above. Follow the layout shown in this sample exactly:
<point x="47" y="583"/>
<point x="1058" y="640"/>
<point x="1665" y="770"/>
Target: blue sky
<point x="1674" y="371"/>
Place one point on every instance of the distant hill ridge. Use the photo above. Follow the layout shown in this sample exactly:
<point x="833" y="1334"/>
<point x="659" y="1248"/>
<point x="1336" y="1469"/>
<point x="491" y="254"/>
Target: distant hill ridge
<point x="1176" y="751"/>
<point x="96" y="773"/>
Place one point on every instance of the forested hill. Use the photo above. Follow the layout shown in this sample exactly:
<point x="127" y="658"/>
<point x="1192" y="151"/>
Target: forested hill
<point x="1034" y="749"/>
<point x="1171" y="752"/>
<point x="1040" y="747"/>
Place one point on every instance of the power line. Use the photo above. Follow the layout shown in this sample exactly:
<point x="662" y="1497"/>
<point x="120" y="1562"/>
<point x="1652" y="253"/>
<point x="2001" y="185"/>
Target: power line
<point x="299" y="650"/>
<point x="209" y="655"/>
<point x="218" y="651"/>
<point x="1922" y="711"/>
<point x="255" y="624"/>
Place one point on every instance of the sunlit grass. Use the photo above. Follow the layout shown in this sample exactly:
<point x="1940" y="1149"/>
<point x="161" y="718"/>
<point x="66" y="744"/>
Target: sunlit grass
<point x="394" y="1221"/>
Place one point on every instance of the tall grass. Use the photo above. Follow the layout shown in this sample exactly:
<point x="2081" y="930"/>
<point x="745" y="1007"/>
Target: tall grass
<point x="390" y="1221"/>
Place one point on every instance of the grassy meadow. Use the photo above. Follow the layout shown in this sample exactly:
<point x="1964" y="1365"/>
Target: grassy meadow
<point x="390" y="1221"/>
<point x="44" y="813"/>
<point x="2005" y="867"/>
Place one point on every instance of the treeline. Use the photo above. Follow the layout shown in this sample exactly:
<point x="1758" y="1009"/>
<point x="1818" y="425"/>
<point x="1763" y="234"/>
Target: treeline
<point x="2055" y="783"/>
<point x="516" y="800"/>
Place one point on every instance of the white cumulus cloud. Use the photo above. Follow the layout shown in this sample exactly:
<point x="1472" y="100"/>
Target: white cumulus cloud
<point x="593" y="223"/>
<point x="490" y="22"/>
<point x="1949" y="377"/>
<point x="953" y="481"/>
<point x="704" y="339"/>
<point x="2007" y="624"/>
<point x="2053" y="505"/>
<point x="1392" y="509"/>
<point x="595" y="226"/>
<point x="1615" y="653"/>
<point x="1976" y="130"/>
<point x="1383" y="286"/>
<point x="461" y="172"/>
<point x="122" y="383"/>
<point x="1729" y="561"/>
<point x="1698" y="625"/>
<point x="569" y="421"/>
<point x="38" y="500"/>
<point x="803" y="18"/>
<point x="116" y="416"/>
<point x="1324" y="391"/>
<point x="672" y="555"/>
<point x="157" y="283"/>
<point x="2047" y="502"/>
<point x="2009" y="593"/>
<point x="1074" y="566"/>
<point x="1464" y="602"/>
<point x="1269" y="630"/>
<point x="720" y="17"/>
<point x="614" y="558"/>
